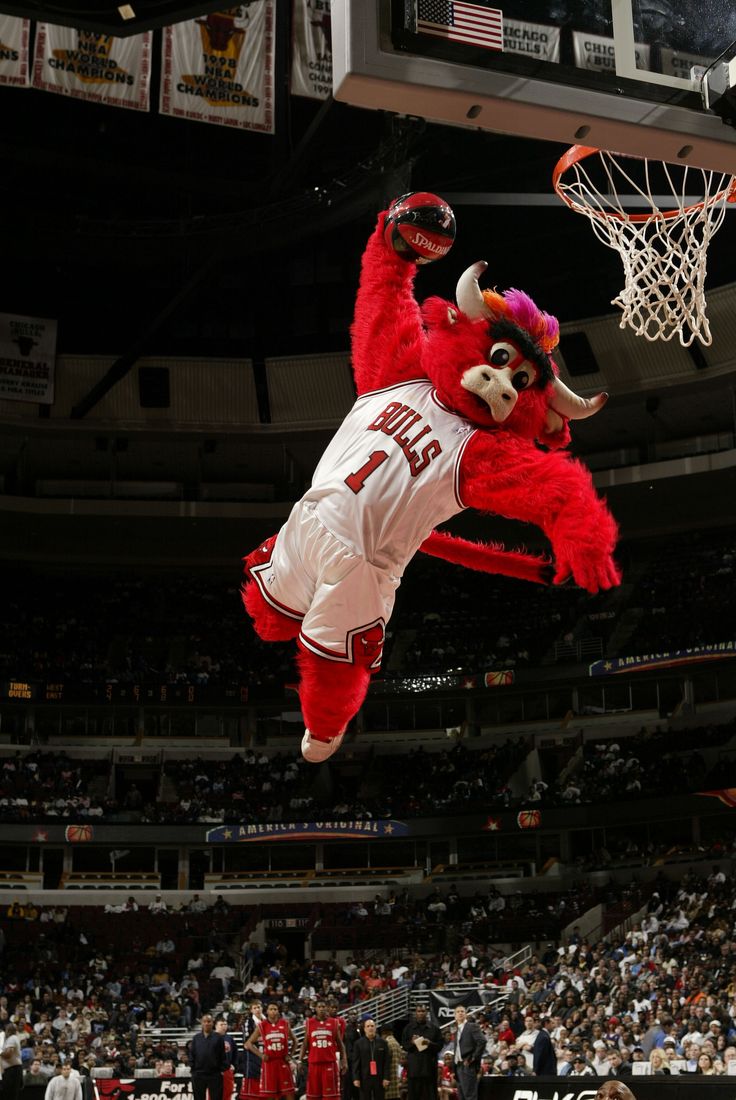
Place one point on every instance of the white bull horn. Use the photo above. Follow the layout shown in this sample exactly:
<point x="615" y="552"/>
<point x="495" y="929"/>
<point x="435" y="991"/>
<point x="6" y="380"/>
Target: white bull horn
<point x="568" y="404"/>
<point x="468" y="294"/>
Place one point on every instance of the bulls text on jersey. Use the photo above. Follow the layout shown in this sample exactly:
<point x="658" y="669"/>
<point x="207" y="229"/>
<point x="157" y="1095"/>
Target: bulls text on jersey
<point x="399" y="421"/>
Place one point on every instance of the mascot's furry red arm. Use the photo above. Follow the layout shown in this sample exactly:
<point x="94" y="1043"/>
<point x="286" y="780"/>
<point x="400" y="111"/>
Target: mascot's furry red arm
<point x="452" y="402"/>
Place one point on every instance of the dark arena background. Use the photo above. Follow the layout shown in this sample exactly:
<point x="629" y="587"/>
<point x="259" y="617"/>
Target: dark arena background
<point x="533" y="814"/>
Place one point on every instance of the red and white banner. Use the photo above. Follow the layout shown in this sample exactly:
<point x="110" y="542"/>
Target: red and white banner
<point x="311" y="49"/>
<point x="14" y="50"/>
<point x="27" y="358"/>
<point x="97" y="67"/>
<point x="220" y="68"/>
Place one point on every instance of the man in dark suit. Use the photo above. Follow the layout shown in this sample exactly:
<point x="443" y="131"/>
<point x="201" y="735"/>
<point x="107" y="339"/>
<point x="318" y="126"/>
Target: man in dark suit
<point x="469" y="1046"/>
<point x="350" y="1038"/>
<point x="537" y="1041"/>
<point x="208" y="1060"/>
<point x="422" y="1042"/>
<point x="370" y="1063"/>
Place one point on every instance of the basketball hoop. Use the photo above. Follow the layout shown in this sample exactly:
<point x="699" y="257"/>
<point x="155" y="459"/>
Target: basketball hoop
<point x="664" y="251"/>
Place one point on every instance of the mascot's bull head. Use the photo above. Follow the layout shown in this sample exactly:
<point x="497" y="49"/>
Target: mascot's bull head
<point x="505" y="359"/>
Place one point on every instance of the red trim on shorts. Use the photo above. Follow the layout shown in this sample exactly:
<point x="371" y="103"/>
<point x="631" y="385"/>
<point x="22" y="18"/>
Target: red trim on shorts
<point x="322" y="651"/>
<point x="347" y="656"/>
<point x="282" y="607"/>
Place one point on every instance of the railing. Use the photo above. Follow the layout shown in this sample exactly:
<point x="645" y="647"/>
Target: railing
<point x="104" y="880"/>
<point x="383" y="1008"/>
<point x="336" y="876"/>
<point x="21" y="880"/>
<point x="489" y="869"/>
<point x="518" y="958"/>
<point x="578" y="651"/>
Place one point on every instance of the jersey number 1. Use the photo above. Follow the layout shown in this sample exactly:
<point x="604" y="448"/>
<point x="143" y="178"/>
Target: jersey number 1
<point x="357" y="480"/>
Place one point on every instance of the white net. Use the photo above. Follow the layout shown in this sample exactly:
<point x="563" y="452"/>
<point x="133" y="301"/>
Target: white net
<point x="664" y="250"/>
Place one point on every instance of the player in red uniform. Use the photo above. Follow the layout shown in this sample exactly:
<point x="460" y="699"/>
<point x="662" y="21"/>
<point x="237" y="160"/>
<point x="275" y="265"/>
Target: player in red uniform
<point x="278" y="1042"/>
<point x="446" y="1083"/>
<point x="323" y="1042"/>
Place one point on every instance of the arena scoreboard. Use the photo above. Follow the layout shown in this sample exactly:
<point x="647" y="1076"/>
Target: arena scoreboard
<point x="161" y="695"/>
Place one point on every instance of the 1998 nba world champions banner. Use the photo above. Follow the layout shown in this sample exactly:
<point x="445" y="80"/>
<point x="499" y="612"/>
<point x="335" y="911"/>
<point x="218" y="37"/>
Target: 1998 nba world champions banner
<point x="220" y="68"/>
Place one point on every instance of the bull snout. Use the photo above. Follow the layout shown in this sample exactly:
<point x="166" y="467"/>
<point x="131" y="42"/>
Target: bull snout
<point x="493" y="386"/>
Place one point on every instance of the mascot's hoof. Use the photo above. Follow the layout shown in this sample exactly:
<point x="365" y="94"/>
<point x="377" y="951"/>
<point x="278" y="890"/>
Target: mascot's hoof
<point x="314" y="751"/>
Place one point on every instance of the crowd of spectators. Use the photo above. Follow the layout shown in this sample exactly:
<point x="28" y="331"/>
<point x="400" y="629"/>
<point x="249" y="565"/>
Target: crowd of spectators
<point x="98" y="992"/>
<point x="664" y="992"/>
<point x="687" y="596"/>
<point x="37" y="785"/>
<point x="193" y="630"/>
<point x="644" y="765"/>
<point x="444" y="919"/>
<point x="254" y="785"/>
<point x="92" y="984"/>
<point x="93" y="629"/>
<point x="449" y="619"/>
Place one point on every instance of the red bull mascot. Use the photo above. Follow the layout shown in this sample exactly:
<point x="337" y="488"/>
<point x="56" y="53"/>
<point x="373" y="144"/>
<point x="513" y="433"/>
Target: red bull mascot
<point x="459" y="406"/>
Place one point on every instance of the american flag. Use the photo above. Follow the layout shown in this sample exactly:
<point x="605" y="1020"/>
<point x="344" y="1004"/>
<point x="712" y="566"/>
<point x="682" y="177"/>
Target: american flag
<point x="474" y="24"/>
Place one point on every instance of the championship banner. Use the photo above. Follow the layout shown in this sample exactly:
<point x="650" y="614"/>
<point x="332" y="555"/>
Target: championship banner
<point x="305" y="830"/>
<point x="96" y="67"/>
<point x="613" y="666"/>
<point x="532" y="39"/>
<point x="27" y="358"/>
<point x="598" y="54"/>
<point x="14" y="50"/>
<point x="311" y="49"/>
<point x="442" y="1007"/>
<point x="220" y="68"/>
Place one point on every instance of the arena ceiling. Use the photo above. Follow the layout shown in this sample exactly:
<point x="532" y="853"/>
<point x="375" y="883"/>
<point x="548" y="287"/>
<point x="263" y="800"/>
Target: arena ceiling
<point x="163" y="236"/>
<point x="110" y="216"/>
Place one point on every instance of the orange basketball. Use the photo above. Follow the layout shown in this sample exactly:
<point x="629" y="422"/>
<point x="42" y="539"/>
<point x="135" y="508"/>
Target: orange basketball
<point x="76" y="834"/>
<point x="529" y="819"/>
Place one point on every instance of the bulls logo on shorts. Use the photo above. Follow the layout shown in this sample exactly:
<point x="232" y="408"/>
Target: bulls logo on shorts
<point x="366" y="644"/>
<point x="260" y="556"/>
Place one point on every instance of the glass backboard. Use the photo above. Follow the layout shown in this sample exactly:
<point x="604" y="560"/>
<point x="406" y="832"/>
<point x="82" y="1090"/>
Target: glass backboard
<point x="623" y="75"/>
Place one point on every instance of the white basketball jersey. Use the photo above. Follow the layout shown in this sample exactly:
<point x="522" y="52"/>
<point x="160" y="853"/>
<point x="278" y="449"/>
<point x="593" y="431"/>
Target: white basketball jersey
<point x="391" y="473"/>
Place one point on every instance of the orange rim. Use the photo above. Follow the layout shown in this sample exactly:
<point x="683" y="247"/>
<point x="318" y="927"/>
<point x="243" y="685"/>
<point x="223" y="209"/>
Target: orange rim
<point x="576" y="153"/>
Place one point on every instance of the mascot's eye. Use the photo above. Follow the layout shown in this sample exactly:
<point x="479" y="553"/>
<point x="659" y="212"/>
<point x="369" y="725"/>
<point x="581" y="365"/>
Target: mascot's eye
<point x="521" y="380"/>
<point x="501" y="354"/>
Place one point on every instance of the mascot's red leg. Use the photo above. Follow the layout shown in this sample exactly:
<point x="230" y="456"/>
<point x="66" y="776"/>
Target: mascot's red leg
<point x="268" y="623"/>
<point x="330" y="694"/>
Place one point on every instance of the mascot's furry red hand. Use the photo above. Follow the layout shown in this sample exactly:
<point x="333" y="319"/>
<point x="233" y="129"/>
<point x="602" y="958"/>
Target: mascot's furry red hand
<point x="452" y="401"/>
